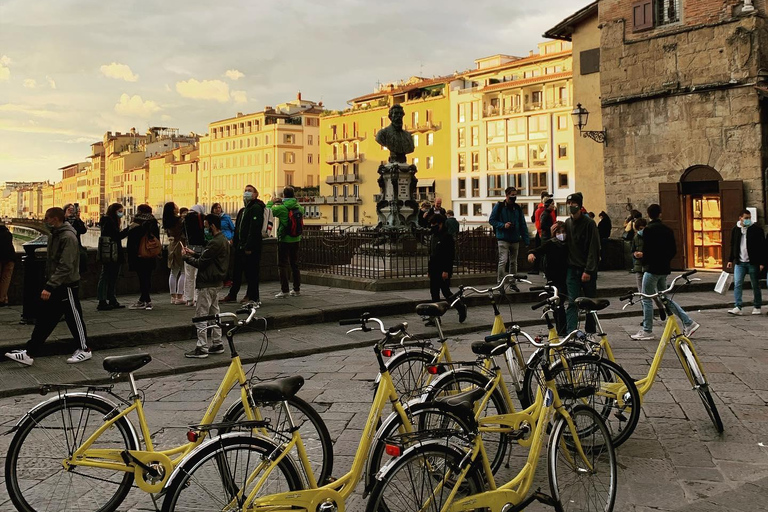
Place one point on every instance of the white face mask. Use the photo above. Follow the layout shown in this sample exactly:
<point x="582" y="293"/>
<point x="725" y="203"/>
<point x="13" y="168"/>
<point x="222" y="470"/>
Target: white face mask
<point x="560" y="236"/>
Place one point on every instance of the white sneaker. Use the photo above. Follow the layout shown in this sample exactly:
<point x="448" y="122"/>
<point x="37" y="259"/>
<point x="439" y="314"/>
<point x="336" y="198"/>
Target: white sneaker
<point x="735" y="311"/>
<point x="148" y="306"/>
<point x="138" y="305"/>
<point x="282" y="295"/>
<point x="79" y="356"/>
<point x="756" y="311"/>
<point x="643" y="336"/>
<point x="295" y="293"/>
<point x="690" y="329"/>
<point x="20" y="356"/>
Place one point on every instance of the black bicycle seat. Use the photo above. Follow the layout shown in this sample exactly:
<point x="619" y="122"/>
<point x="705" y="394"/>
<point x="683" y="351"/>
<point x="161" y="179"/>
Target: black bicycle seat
<point x="432" y="309"/>
<point x="126" y="364"/>
<point x="277" y="390"/>
<point x="587" y="304"/>
<point x="493" y="348"/>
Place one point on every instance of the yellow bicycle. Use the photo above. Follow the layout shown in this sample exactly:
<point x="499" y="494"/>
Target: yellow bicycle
<point x="79" y="451"/>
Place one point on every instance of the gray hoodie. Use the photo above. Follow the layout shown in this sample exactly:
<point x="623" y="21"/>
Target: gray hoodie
<point x="63" y="259"/>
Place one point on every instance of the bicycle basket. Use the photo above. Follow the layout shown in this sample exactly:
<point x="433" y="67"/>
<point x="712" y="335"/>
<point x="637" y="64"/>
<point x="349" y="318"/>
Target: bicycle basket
<point x="574" y="380"/>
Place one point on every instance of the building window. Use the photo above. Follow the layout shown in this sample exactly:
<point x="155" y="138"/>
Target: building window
<point x="416" y="140"/>
<point x="355" y="214"/>
<point x="309" y="158"/>
<point x="266" y="158"/>
<point x="462" y="162"/>
<point x="414" y="119"/>
<point x="289" y="157"/>
<point x="463" y="209"/>
<point x="562" y="122"/>
<point x="266" y="140"/>
<point x="289" y="138"/>
<point x="475" y="107"/>
<point x="516" y="129"/>
<point x="477" y="209"/>
<point x="462" y="187"/>
<point x="496" y="185"/>
<point x="430" y="137"/>
<point x="475" y="187"/>
<point x="309" y="140"/>
<point x="562" y="180"/>
<point x="562" y="151"/>
<point x="345" y="212"/>
<point x="536" y="99"/>
<point x="495" y="133"/>
<point x="517" y="156"/>
<point x="226" y="146"/>
<point x="255" y="141"/>
<point x="416" y="161"/>
<point x="335" y="213"/>
<point x="475" y="135"/>
<point x="462" y="138"/>
<point x="563" y="96"/>
<point x="475" y="161"/>
<point x="517" y="180"/>
<point x="430" y="162"/>
<point x="462" y="112"/>
<point x="538" y="154"/>
<point x="496" y="159"/>
<point x="538" y="182"/>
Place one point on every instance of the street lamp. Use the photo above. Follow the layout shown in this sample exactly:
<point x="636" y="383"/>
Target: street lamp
<point x="580" y="116"/>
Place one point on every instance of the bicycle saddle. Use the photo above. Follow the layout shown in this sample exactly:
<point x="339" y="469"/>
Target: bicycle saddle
<point x="432" y="308"/>
<point x="493" y="348"/>
<point x="126" y="364"/>
<point x="277" y="390"/>
<point x="587" y="304"/>
<point x="466" y="399"/>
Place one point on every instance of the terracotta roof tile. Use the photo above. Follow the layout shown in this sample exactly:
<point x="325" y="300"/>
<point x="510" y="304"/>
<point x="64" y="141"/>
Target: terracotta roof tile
<point x="526" y="81"/>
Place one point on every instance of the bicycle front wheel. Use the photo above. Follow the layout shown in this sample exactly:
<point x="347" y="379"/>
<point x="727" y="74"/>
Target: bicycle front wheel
<point x="585" y="483"/>
<point x="223" y="473"/>
<point x="34" y="474"/>
<point x="409" y="373"/>
<point x="423" y="480"/>
<point x="702" y="386"/>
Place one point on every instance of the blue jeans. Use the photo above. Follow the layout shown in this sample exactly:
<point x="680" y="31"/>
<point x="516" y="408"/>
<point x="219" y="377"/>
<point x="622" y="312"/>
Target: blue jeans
<point x="576" y="289"/>
<point x="651" y="284"/>
<point x="739" y="273"/>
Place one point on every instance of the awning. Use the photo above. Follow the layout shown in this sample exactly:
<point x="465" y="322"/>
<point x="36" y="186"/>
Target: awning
<point x="425" y="182"/>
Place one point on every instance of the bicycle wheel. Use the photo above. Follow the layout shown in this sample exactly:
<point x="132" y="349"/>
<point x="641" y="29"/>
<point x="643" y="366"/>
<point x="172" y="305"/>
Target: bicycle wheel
<point x="224" y="472"/>
<point x="314" y="433"/>
<point x="409" y="373"/>
<point x="34" y="475"/>
<point x="459" y="381"/>
<point x="422" y="416"/>
<point x="616" y="397"/>
<point x="702" y="386"/>
<point x="576" y="485"/>
<point x="422" y="480"/>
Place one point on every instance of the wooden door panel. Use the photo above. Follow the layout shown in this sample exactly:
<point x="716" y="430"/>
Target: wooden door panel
<point x="672" y="215"/>
<point x="731" y="205"/>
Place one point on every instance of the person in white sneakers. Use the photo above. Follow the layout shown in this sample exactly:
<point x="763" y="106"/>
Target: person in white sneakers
<point x="747" y="257"/>
<point x="60" y="293"/>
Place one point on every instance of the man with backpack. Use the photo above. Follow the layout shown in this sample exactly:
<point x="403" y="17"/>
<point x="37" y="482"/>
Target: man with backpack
<point x="291" y="215"/>
<point x="509" y="223"/>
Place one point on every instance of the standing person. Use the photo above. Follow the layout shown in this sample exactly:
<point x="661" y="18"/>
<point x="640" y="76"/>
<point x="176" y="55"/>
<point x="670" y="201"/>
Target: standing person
<point x="72" y="216"/>
<point x="437" y="208"/>
<point x="747" y="257"/>
<point x="247" y="245"/>
<point x="554" y="254"/>
<point x="174" y="230"/>
<point x="291" y="215"/>
<point x="144" y="227"/>
<point x="536" y="219"/>
<point x="605" y="226"/>
<point x="583" y="242"/>
<point x="195" y="240"/>
<point x="423" y="214"/>
<point x="547" y="218"/>
<point x="7" y="262"/>
<point x="451" y="224"/>
<point x="658" y="250"/>
<point x="442" y="250"/>
<point x="509" y="223"/>
<point x="637" y="248"/>
<point x="211" y="268"/>
<point x="227" y="226"/>
<point x="60" y="293"/>
<point x="110" y="227"/>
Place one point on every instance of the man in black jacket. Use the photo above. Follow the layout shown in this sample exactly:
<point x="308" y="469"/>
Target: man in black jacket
<point x="583" y="243"/>
<point x="441" y="253"/>
<point x="247" y="246"/>
<point x="747" y="256"/>
<point x="658" y="250"/>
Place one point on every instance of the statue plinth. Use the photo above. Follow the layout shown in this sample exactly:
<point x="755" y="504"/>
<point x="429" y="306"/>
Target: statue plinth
<point x="396" y="206"/>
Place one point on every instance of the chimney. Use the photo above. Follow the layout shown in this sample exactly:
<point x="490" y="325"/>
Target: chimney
<point x="239" y="114"/>
<point x="298" y="96"/>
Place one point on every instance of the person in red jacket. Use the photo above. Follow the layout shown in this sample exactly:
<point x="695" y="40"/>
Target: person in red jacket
<point x="536" y="219"/>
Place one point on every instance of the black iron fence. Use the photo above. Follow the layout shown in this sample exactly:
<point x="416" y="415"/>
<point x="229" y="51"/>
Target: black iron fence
<point x="376" y="255"/>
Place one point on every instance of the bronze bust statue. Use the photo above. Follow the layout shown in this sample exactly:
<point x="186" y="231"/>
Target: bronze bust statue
<point x="393" y="137"/>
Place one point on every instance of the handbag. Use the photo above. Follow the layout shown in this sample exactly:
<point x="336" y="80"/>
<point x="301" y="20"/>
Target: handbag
<point x="723" y="282"/>
<point x="107" y="250"/>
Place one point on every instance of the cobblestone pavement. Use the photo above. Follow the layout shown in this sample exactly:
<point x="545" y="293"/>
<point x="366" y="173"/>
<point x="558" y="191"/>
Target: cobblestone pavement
<point x="674" y="460"/>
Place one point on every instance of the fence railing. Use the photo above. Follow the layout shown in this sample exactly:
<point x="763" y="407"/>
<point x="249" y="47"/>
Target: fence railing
<point x="374" y="255"/>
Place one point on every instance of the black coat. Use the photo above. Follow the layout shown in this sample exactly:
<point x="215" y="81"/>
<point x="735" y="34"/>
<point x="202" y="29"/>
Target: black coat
<point x="193" y="229"/>
<point x="659" y="248"/>
<point x="135" y="232"/>
<point x="112" y="230"/>
<point x="555" y="254"/>
<point x="604" y="227"/>
<point x="755" y="245"/>
<point x="442" y="252"/>
<point x="7" y="250"/>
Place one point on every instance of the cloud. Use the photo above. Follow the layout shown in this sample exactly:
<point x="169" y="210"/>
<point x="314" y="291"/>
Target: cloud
<point x="233" y="74"/>
<point x="30" y="83"/>
<point x="28" y="110"/>
<point x="5" y="72"/>
<point x="134" y="106"/>
<point x="205" y="90"/>
<point x="119" y="71"/>
<point x="240" y="96"/>
<point x="21" y="128"/>
<point x="51" y="82"/>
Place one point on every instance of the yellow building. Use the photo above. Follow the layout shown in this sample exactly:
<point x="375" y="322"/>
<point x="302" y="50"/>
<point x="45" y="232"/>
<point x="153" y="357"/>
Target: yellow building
<point x="95" y="202"/>
<point x="122" y="151"/>
<point x="48" y="197"/>
<point x="511" y="126"/>
<point x="350" y="155"/>
<point x="135" y="188"/>
<point x="270" y="150"/>
<point x="73" y="184"/>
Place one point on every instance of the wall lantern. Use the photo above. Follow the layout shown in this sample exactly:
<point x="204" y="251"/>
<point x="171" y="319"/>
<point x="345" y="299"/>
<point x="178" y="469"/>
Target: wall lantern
<point x="580" y="116"/>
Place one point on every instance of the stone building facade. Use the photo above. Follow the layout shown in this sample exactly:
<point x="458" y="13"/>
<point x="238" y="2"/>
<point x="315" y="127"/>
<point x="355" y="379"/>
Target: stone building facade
<point x="682" y="86"/>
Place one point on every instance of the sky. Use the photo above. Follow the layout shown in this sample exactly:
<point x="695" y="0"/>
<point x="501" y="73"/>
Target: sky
<point x="71" y="70"/>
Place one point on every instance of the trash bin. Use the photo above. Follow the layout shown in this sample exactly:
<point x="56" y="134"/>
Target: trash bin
<point x="34" y="278"/>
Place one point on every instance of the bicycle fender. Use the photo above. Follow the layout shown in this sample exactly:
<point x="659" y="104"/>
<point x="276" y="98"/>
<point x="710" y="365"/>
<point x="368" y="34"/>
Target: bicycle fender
<point x="402" y="354"/>
<point x="385" y="425"/>
<point x="460" y="453"/>
<point x="447" y="375"/>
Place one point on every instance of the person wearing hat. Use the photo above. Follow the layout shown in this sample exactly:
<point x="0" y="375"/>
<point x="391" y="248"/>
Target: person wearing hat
<point x="440" y="268"/>
<point x="583" y="242"/>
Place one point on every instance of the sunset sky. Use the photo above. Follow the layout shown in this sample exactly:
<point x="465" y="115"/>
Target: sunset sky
<point x="72" y="69"/>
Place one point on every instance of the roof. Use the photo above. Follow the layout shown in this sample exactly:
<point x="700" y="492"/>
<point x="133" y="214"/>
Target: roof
<point x="526" y="81"/>
<point x="404" y="88"/>
<point x="564" y="29"/>
<point x="517" y="63"/>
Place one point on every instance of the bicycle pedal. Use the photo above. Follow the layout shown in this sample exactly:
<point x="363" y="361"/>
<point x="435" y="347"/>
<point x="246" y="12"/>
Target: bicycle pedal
<point x="620" y="416"/>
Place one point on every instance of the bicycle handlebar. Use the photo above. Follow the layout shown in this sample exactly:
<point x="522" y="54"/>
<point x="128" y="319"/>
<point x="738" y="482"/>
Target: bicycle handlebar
<point x="365" y="318"/>
<point x="516" y="331"/>
<point x="661" y="292"/>
<point x="223" y="317"/>
<point x="522" y="278"/>
<point x="540" y="304"/>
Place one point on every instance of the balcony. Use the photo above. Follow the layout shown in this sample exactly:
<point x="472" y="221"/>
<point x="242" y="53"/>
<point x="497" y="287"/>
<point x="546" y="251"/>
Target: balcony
<point x="343" y="200"/>
<point x="344" y="157"/>
<point x="330" y="139"/>
<point x="312" y="200"/>
<point x="342" y="178"/>
<point x="429" y="196"/>
<point x="427" y="126"/>
<point x="491" y="111"/>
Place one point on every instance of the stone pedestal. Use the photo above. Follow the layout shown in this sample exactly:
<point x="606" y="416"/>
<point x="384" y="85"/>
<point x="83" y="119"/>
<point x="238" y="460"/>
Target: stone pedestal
<point x="401" y="256"/>
<point x="395" y="205"/>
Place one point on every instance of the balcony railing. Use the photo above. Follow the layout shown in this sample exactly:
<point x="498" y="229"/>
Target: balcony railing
<point x="426" y="126"/>
<point x="491" y="111"/>
<point x="342" y="178"/>
<point x="344" y="157"/>
<point x="343" y="200"/>
<point x="338" y="137"/>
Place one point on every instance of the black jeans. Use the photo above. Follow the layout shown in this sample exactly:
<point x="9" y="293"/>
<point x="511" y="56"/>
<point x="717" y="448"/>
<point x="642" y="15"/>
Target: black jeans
<point x="237" y="273"/>
<point x="437" y="284"/>
<point x="144" y="270"/>
<point x="107" y="282"/>
<point x="252" y="267"/>
<point x="288" y="254"/>
<point x="64" y="300"/>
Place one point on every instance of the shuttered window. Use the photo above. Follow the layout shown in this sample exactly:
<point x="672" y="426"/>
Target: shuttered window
<point x="642" y="15"/>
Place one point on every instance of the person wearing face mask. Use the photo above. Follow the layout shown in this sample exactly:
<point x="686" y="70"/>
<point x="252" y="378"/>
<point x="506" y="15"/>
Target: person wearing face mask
<point x="637" y="248"/>
<point x="247" y="245"/>
<point x="110" y="227"/>
<point x="442" y="250"/>
<point x="227" y="226"/>
<point x="583" y="242"/>
<point x="553" y="253"/>
<point x="747" y="257"/>
<point x="509" y="224"/>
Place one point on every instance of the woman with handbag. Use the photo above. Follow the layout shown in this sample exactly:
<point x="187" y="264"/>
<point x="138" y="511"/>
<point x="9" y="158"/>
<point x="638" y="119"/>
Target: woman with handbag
<point x="110" y="253"/>
<point x="143" y="250"/>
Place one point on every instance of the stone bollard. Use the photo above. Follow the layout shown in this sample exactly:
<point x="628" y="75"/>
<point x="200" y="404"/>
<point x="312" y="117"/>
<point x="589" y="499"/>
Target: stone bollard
<point x="34" y="279"/>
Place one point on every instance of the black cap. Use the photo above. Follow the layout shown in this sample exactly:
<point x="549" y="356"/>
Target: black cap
<point x="577" y="198"/>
